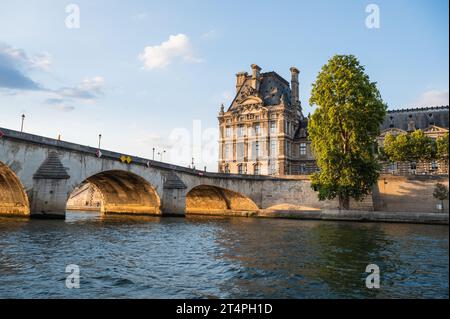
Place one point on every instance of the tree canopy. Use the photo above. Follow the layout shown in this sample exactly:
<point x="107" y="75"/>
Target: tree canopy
<point x="343" y="130"/>
<point x="414" y="147"/>
<point x="442" y="147"/>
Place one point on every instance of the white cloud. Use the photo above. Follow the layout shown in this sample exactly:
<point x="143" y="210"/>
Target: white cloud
<point x="432" y="98"/>
<point x="41" y="61"/>
<point x="88" y="89"/>
<point x="177" y="47"/>
<point x="14" y="67"/>
<point x="94" y="84"/>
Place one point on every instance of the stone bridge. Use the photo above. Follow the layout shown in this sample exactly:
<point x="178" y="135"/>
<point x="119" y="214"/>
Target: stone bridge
<point x="38" y="174"/>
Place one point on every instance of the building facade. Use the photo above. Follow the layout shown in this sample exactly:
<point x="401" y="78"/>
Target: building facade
<point x="264" y="131"/>
<point x="257" y="132"/>
<point x="433" y="121"/>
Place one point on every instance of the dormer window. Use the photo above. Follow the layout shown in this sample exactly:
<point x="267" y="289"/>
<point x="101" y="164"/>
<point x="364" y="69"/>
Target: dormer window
<point x="391" y="124"/>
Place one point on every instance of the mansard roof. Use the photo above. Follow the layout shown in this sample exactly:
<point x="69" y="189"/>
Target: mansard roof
<point x="420" y="109"/>
<point x="302" y="128"/>
<point x="272" y="88"/>
<point x="428" y="119"/>
<point x="421" y="118"/>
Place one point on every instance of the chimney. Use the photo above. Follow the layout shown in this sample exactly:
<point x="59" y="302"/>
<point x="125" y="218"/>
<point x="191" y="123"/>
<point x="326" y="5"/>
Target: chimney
<point x="255" y="76"/>
<point x="240" y="79"/>
<point x="294" y="86"/>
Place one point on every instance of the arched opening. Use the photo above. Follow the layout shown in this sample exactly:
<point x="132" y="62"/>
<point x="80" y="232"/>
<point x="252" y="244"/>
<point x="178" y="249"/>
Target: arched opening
<point x="206" y="198"/>
<point x="116" y="192"/>
<point x="13" y="198"/>
<point x="85" y="197"/>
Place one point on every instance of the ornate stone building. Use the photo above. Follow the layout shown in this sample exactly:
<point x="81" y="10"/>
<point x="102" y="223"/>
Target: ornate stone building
<point x="257" y="132"/>
<point x="264" y="131"/>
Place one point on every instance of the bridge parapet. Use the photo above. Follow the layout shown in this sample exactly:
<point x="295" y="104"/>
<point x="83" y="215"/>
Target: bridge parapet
<point x="136" y="160"/>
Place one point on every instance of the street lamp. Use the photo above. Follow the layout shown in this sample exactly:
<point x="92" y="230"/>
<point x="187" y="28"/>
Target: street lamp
<point x="99" y="140"/>
<point x="163" y="152"/>
<point x="23" y="119"/>
<point x="153" y="156"/>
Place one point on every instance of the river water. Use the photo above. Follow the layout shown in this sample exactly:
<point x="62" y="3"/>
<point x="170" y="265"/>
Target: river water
<point x="208" y="257"/>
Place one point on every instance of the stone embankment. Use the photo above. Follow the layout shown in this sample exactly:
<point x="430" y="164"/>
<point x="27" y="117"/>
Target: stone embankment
<point x="336" y="215"/>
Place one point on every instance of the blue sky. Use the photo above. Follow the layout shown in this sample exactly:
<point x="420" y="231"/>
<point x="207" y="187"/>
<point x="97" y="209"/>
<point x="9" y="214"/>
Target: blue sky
<point x="140" y="72"/>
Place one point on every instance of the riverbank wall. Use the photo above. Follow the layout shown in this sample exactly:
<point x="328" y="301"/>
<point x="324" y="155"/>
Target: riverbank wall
<point x="412" y="193"/>
<point x="336" y="215"/>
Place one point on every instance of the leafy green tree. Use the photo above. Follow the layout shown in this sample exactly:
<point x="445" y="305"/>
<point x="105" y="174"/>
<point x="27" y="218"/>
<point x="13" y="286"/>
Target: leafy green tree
<point x="412" y="147"/>
<point x="423" y="147"/>
<point x="398" y="148"/>
<point x="442" y="147"/>
<point x="343" y="130"/>
<point x="440" y="192"/>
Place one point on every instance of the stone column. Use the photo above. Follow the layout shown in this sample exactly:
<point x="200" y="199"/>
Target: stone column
<point x="294" y="86"/>
<point x="50" y="189"/>
<point x="174" y="196"/>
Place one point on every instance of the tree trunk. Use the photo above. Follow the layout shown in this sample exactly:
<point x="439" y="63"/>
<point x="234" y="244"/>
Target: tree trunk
<point x="344" y="202"/>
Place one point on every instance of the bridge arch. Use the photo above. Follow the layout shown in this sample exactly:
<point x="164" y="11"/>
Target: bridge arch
<point x="13" y="198"/>
<point x="210" y="198"/>
<point x="123" y="192"/>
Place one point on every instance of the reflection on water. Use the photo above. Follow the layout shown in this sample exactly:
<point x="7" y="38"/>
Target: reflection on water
<point x="207" y="257"/>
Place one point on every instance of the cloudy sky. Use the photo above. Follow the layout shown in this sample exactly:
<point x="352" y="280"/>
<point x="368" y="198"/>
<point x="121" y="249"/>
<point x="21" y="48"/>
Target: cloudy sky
<point x="150" y="74"/>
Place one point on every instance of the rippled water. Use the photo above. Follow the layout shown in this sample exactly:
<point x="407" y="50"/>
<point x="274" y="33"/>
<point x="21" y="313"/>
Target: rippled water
<point x="197" y="257"/>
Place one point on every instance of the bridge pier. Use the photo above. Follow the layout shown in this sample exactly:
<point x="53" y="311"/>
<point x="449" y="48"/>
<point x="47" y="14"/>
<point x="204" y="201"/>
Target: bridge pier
<point x="48" y="199"/>
<point x="50" y="187"/>
<point x="173" y="203"/>
<point x="174" y="196"/>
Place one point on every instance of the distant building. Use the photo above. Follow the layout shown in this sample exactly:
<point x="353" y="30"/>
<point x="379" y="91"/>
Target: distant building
<point x="264" y="131"/>
<point x="85" y="197"/>
<point x="433" y="121"/>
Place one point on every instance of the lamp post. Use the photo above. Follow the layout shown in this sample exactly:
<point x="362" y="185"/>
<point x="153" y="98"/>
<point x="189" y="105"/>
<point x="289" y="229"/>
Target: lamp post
<point x="153" y="156"/>
<point x="99" y="140"/>
<point x="23" y="119"/>
<point x="163" y="152"/>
